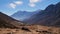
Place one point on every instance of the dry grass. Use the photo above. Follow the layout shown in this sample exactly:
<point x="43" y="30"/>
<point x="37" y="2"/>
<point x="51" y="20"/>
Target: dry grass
<point x="35" y="29"/>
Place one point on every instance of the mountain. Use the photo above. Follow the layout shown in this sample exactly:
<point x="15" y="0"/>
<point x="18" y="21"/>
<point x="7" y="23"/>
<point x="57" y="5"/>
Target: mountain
<point x="50" y="16"/>
<point x="8" y="22"/>
<point x="22" y="15"/>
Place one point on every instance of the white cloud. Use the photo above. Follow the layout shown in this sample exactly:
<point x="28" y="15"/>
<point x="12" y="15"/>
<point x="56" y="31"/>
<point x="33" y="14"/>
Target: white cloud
<point x="18" y="2"/>
<point x="32" y="5"/>
<point x="34" y="1"/>
<point x="12" y="5"/>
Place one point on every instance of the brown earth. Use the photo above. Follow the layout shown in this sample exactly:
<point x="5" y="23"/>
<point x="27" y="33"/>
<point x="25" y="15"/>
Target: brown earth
<point x="35" y="29"/>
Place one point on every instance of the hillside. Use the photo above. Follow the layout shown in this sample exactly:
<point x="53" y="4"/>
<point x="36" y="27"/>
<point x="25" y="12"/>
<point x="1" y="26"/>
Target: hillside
<point x="50" y="16"/>
<point x="8" y="22"/>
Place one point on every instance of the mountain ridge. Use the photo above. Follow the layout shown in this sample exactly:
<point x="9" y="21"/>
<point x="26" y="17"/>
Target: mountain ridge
<point x="50" y="16"/>
<point x="23" y="15"/>
<point x="8" y="22"/>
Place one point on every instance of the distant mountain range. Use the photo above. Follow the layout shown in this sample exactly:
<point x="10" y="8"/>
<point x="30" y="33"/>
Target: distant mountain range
<point x="50" y="16"/>
<point x="23" y="15"/>
<point x="8" y="22"/>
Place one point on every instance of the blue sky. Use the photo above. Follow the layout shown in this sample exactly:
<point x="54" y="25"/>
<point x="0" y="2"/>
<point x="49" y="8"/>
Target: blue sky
<point x="9" y="7"/>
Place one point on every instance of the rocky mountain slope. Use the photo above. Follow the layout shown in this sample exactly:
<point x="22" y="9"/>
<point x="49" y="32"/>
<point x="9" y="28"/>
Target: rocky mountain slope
<point x="50" y="16"/>
<point x="8" y="22"/>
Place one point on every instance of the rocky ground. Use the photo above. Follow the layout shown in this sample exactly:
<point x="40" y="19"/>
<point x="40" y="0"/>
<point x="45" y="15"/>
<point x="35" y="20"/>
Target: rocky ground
<point x="35" y="29"/>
